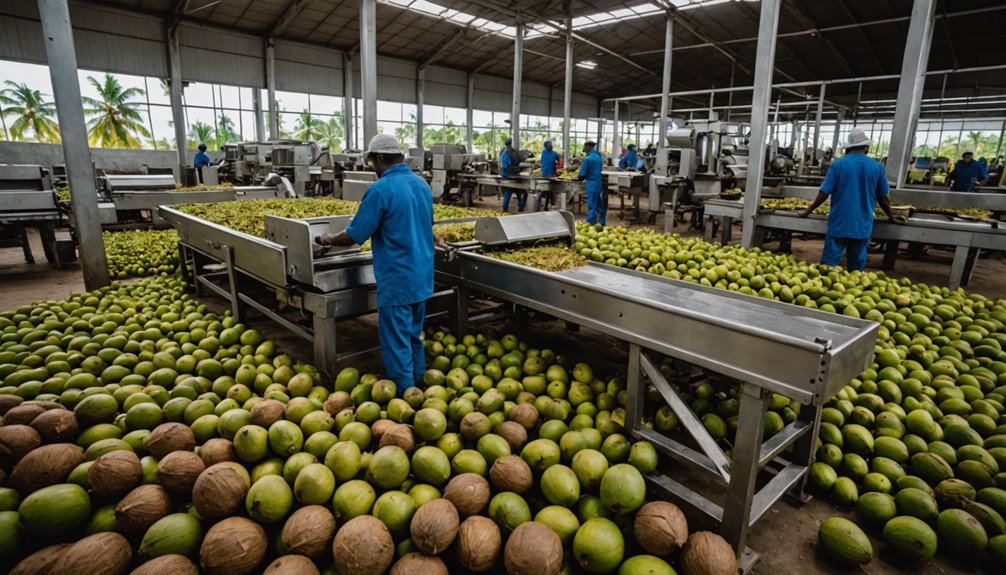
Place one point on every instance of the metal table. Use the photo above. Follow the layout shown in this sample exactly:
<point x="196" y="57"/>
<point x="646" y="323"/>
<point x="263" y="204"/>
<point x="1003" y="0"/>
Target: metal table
<point x="27" y="201"/>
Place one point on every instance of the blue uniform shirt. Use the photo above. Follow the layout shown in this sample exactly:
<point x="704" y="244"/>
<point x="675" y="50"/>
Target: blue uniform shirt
<point x="628" y="160"/>
<point x="397" y="214"/>
<point x="854" y="182"/>
<point x="505" y="162"/>
<point x="964" y="173"/>
<point x="549" y="158"/>
<point x="201" y="160"/>
<point x="591" y="168"/>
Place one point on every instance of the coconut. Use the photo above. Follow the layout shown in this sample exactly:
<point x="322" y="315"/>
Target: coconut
<point x="45" y="466"/>
<point x="141" y="508"/>
<point x="434" y="526"/>
<point x="524" y="414"/>
<point x="469" y="492"/>
<point x="18" y="440"/>
<point x="309" y="531"/>
<point x="267" y="412"/>
<point x="479" y="543"/>
<point x="115" y="473"/>
<point x="399" y="435"/>
<point x="216" y="450"/>
<point x="511" y="473"/>
<point x="105" y="553"/>
<point x="419" y="564"/>
<point x="363" y="546"/>
<point x="514" y="434"/>
<point x="168" y="437"/>
<point x="337" y="402"/>
<point x="3" y="476"/>
<point x="42" y="561"/>
<point x="533" y="548"/>
<point x="707" y="553"/>
<point x="234" y="546"/>
<point x="56" y="426"/>
<point x="220" y="491"/>
<point x="292" y="565"/>
<point x="172" y="564"/>
<point x="178" y="471"/>
<point x="8" y="402"/>
<point x="660" y="528"/>
<point x="45" y="404"/>
<point x="22" y="414"/>
<point x="378" y="428"/>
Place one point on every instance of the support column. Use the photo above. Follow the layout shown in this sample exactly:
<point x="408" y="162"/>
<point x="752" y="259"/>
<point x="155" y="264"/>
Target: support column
<point x="177" y="110"/>
<point x="567" y="94"/>
<point x="835" y="138"/>
<point x="616" y="136"/>
<point x="817" y="121"/>
<point x="368" y="67"/>
<point x="62" y="58"/>
<point x="913" y="83"/>
<point x="420" y="97"/>
<point x="518" y="64"/>
<point x="665" y="88"/>
<point x="768" y="30"/>
<point x="257" y="110"/>
<point x="348" y="100"/>
<point x="270" y="82"/>
<point x="470" y="114"/>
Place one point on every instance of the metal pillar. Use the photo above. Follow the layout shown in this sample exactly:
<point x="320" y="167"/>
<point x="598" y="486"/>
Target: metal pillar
<point x="257" y="110"/>
<point x="817" y="121"/>
<point x="567" y="95"/>
<point x="768" y="28"/>
<point x="420" y="104"/>
<point x="913" y="83"/>
<point x="838" y="128"/>
<point x="177" y="110"/>
<point x="616" y="136"/>
<point x="518" y="63"/>
<point x="270" y="82"/>
<point x="470" y="114"/>
<point x="348" y="100"/>
<point x="368" y="67"/>
<point x="665" y="88"/>
<point x="59" y="51"/>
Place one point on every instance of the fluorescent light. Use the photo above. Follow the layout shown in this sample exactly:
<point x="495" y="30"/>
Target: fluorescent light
<point x="587" y="64"/>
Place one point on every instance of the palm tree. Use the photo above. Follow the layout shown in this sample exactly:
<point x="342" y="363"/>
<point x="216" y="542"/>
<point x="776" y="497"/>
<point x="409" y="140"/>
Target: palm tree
<point x="33" y="114"/>
<point x="406" y="133"/>
<point x="201" y="132"/>
<point x="115" y="121"/>
<point x="307" y="126"/>
<point x="330" y="134"/>
<point x="225" y="130"/>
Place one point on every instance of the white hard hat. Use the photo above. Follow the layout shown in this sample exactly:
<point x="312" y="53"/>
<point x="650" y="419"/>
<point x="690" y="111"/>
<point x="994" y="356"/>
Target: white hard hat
<point x="968" y="151"/>
<point x="857" y="138"/>
<point x="384" y="144"/>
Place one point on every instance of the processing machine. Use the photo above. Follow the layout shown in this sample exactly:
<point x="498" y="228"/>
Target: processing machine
<point x="308" y="166"/>
<point x="27" y="201"/>
<point x="447" y="162"/>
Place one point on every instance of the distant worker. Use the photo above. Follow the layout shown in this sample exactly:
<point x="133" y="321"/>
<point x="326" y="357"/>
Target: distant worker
<point x="650" y="150"/>
<point x="628" y="160"/>
<point x="396" y="213"/>
<point x="549" y="160"/>
<point x="590" y="173"/>
<point x="201" y="160"/>
<point x="856" y="184"/>
<point x="510" y="166"/>
<point x="968" y="174"/>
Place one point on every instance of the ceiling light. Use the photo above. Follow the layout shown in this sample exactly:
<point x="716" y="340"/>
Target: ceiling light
<point x="587" y="64"/>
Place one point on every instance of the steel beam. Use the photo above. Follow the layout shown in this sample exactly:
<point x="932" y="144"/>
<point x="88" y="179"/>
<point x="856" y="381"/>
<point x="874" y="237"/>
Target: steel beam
<point x="368" y="67"/>
<point x="518" y="63"/>
<point x="913" y="82"/>
<point x="270" y="82"/>
<point x="292" y="11"/>
<point x="567" y="94"/>
<point x="616" y="136"/>
<point x="348" y="100"/>
<point x="817" y="121"/>
<point x="768" y="28"/>
<point x="470" y="114"/>
<point x="177" y="110"/>
<point x="62" y="59"/>
<point x="257" y="110"/>
<point x="420" y="104"/>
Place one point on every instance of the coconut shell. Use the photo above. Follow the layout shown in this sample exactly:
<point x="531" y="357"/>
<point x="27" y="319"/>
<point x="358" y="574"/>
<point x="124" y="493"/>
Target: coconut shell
<point x="103" y="553"/>
<point x="434" y="526"/>
<point x="114" y="474"/>
<point x="363" y="546"/>
<point x="337" y="402"/>
<point x="292" y="565"/>
<point x="479" y="544"/>
<point x="42" y="561"/>
<point x="524" y="414"/>
<point x="511" y="473"/>
<point x="309" y="531"/>
<point x="514" y="434"/>
<point x="399" y="435"/>
<point x="22" y="414"/>
<point x="56" y="426"/>
<point x="45" y="404"/>
<point x="219" y="492"/>
<point x="169" y="437"/>
<point x="378" y="428"/>
<point x="707" y="553"/>
<point x="660" y="528"/>
<point x="167" y="565"/>
<point x="533" y="549"/>
<point x="45" y="466"/>
<point x="141" y="508"/>
<point x="178" y="471"/>
<point x="419" y="564"/>
<point x="9" y="401"/>
<point x="3" y="476"/>
<point x="17" y="440"/>
<point x="217" y="450"/>
<point x="267" y="412"/>
<point x="234" y="546"/>
<point x="469" y="492"/>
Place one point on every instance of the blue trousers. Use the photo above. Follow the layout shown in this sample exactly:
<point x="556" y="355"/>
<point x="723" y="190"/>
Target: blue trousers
<point x="597" y="208"/>
<point x="399" y="328"/>
<point x="854" y="248"/>
<point x="521" y="199"/>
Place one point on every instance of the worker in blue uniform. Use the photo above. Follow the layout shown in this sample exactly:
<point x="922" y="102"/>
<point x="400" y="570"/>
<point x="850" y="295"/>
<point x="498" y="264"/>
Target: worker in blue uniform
<point x="396" y="214"/>
<point x="590" y="174"/>
<point x="968" y="174"/>
<point x="201" y="160"/>
<point x="509" y="166"/>
<point x="856" y="183"/>
<point x="549" y="160"/>
<point x="628" y="160"/>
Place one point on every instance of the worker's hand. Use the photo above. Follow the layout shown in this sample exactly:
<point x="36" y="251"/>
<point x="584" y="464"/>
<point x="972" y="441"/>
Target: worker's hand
<point x="897" y="219"/>
<point x="803" y="214"/>
<point x="324" y="239"/>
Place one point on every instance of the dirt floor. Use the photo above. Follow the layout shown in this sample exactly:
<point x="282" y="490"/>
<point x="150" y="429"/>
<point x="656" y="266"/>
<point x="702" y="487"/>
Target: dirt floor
<point x="785" y="537"/>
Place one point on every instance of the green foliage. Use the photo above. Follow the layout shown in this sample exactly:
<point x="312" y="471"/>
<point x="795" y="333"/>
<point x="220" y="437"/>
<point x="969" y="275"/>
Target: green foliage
<point x="34" y="116"/>
<point x="114" y="120"/>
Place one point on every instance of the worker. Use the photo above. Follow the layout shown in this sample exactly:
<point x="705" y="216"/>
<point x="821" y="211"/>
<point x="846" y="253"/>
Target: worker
<point x="968" y="174"/>
<point x="549" y="160"/>
<point x="650" y="150"/>
<point x="396" y="214"/>
<point x="200" y="161"/>
<point x="856" y="183"/>
<point x="628" y="160"/>
<point x="590" y="172"/>
<point x="510" y="165"/>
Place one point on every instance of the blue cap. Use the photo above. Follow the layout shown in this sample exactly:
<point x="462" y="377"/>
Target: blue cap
<point x="548" y="142"/>
<point x="508" y="141"/>
<point x="202" y="146"/>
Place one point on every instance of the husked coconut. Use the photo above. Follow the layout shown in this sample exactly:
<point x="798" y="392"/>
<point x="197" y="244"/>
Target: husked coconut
<point x="309" y="531"/>
<point x="42" y="561"/>
<point x="363" y="546"/>
<point x="337" y="402"/>
<point x="707" y="553"/>
<point x="220" y="491"/>
<point x="479" y="543"/>
<point x="399" y="435"/>
<point x="511" y="473"/>
<point x="216" y="451"/>
<point x="8" y="402"/>
<point x="378" y="428"/>
<point x="17" y="440"/>
<point x="168" y="437"/>
<point x="167" y="565"/>
<point x="178" y="471"/>
<point x="419" y="564"/>
<point x="22" y="414"/>
<point x="514" y="434"/>
<point x="434" y="526"/>
<point x="660" y="528"/>
<point x="533" y="549"/>
<point x="103" y="553"/>
<point x="524" y="414"/>
<point x="469" y="492"/>
<point x="45" y="466"/>
<point x="267" y="412"/>
<point x="56" y="426"/>
<point x="292" y="565"/>
<point x="235" y="546"/>
<point x="114" y="474"/>
<point x="141" y="508"/>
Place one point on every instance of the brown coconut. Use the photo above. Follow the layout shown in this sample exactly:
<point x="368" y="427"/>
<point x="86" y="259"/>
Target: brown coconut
<point x="267" y="412"/>
<point x="141" y="508"/>
<point x="363" y="546"/>
<point x="707" y="553"/>
<point x="115" y="473"/>
<point x="472" y="425"/>
<point x="42" y="561"/>
<point x="337" y="402"/>
<point x="45" y="466"/>
<point x="219" y="491"/>
<point x="102" y="553"/>
<point x="234" y="546"/>
<point x="524" y="414"/>
<point x="514" y="434"/>
<point x="56" y="426"/>
<point x="533" y="549"/>
<point x="660" y="528"/>
<point x="217" y="450"/>
<point x="292" y="565"/>
<point x="479" y="543"/>
<point x="419" y="564"/>
<point x="378" y="428"/>
<point x="9" y="401"/>
<point x="169" y="437"/>
<point x="46" y="404"/>
<point x="178" y="471"/>
<point x="167" y="565"/>
<point x="309" y="531"/>
<point x="3" y="476"/>
<point x="434" y="526"/>
<point x="399" y="435"/>
<point x="469" y="492"/>
<point x="17" y="440"/>
<point x="511" y="473"/>
<point x="22" y="414"/>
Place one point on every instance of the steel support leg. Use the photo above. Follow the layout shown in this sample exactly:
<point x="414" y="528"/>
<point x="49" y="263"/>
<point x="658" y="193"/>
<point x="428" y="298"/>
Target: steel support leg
<point x="957" y="268"/>
<point x="890" y="254"/>
<point x="325" y="353"/>
<point x="232" y="279"/>
<point x="744" y="466"/>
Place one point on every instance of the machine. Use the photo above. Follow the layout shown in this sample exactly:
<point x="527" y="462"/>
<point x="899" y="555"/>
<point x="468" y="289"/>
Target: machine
<point x="28" y="201"/>
<point x="308" y="166"/>
<point x="447" y="161"/>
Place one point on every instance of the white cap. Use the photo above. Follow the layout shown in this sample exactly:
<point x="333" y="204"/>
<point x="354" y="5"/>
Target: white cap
<point x="857" y="138"/>
<point x="968" y="151"/>
<point x="384" y="144"/>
